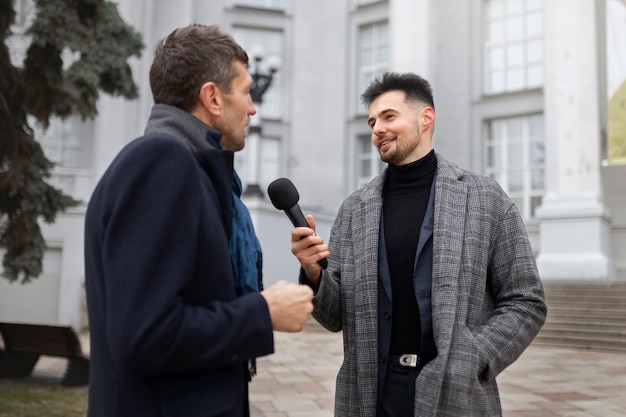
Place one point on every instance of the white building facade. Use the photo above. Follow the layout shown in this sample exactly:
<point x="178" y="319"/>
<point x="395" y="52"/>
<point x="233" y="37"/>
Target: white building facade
<point x="521" y="87"/>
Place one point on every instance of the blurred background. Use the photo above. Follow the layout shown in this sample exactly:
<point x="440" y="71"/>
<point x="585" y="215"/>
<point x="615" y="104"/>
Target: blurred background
<point x="529" y="92"/>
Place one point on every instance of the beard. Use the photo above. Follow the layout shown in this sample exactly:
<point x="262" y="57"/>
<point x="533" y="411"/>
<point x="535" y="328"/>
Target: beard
<point x="398" y="154"/>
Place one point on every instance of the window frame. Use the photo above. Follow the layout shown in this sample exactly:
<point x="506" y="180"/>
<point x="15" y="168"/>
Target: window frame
<point x="529" y="196"/>
<point x="367" y="72"/>
<point x="530" y="46"/>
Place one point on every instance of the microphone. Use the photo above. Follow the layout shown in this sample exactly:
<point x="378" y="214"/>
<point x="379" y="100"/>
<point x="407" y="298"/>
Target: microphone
<point x="284" y="196"/>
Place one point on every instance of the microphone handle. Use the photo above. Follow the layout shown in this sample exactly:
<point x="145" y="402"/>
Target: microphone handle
<point x="298" y="220"/>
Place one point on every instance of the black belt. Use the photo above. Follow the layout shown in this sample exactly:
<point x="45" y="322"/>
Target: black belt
<point x="408" y="360"/>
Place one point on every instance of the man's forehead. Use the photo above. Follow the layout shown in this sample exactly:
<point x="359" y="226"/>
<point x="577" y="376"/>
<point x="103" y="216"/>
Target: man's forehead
<point x="386" y="102"/>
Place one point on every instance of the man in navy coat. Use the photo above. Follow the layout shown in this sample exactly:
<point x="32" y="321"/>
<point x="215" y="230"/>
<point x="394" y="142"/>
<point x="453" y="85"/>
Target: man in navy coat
<point x="176" y="307"/>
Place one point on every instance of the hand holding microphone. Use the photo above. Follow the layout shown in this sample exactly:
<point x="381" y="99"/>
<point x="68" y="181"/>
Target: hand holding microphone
<point x="284" y="196"/>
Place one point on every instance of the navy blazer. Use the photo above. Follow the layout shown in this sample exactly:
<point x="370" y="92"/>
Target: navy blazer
<point x="169" y="337"/>
<point x="422" y="282"/>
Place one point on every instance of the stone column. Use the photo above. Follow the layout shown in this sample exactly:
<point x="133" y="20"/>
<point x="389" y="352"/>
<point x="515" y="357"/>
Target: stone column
<point x="574" y="223"/>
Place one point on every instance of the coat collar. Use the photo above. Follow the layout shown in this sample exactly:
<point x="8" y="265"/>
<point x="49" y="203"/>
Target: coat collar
<point x="185" y="127"/>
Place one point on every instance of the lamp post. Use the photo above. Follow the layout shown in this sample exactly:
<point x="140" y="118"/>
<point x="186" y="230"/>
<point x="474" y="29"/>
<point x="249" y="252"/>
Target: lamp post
<point x="262" y="73"/>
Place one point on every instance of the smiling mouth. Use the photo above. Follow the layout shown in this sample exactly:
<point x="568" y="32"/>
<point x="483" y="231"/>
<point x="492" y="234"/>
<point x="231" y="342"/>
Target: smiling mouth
<point x="384" y="143"/>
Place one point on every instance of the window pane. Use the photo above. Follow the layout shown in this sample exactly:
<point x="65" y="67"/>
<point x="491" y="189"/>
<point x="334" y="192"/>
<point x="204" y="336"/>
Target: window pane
<point x="516" y="155"/>
<point x="383" y="30"/>
<point x="494" y="30"/>
<point x="534" y="24"/>
<point x="71" y="158"/>
<point x="270" y="159"/>
<point x="515" y="79"/>
<point x="366" y="170"/>
<point x="517" y="31"/>
<point x="513" y="6"/>
<point x="241" y="165"/>
<point x="534" y="4"/>
<point x="535" y="125"/>
<point x="535" y="76"/>
<point x="52" y="153"/>
<point x="538" y="182"/>
<point x="496" y="58"/>
<point x="514" y="28"/>
<point x="534" y="203"/>
<point x="496" y="82"/>
<point x="495" y="156"/>
<point x="496" y="130"/>
<point x="514" y="55"/>
<point x="270" y="40"/>
<point x="383" y="55"/>
<point x="516" y="180"/>
<point x="494" y="8"/>
<point x="365" y="145"/>
<point x="373" y="56"/>
<point x="534" y="51"/>
<point x="514" y="128"/>
<point x="537" y="153"/>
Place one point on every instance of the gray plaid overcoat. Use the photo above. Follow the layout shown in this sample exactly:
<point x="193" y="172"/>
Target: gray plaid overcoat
<point x="487" y="298"/>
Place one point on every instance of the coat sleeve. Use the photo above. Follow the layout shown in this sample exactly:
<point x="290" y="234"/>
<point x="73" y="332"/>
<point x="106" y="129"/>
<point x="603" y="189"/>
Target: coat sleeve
<point x="328" y="300"/>
<point x="520" y="306"/>
<point x="168" y="286"/>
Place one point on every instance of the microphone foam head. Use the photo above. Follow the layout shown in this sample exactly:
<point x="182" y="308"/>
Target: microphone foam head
<point x="283" y="194"/>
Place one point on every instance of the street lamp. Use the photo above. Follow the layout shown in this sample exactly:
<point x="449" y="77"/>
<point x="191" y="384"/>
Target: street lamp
<point x="262" y="73"/>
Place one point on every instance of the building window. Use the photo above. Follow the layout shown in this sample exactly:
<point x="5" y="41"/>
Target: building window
<point x="270" y="42"/>
<point x="373" y="55"/>
<point x="513" y="45"/>
<point x="63" y="142"/>
<point x="269" y="161"/>
<point x="368" y="162"/>
<point x="515" y="155"/>
<point x="262" y="4"/>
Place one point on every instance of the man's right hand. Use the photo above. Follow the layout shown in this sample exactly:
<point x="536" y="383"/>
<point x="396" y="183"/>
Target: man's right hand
<point x="309" y="248"/>
<point x="289" y="305"/>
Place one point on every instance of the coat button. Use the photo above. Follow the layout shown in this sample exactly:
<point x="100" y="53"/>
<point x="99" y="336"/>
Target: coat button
<point x="387" y="315"/>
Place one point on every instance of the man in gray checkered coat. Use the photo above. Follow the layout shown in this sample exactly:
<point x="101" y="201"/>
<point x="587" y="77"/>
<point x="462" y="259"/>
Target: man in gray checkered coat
<point x="431" y="276"/>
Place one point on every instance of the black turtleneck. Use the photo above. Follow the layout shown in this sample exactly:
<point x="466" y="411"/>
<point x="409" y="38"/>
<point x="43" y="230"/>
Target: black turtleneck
<point x="404" y="205"/>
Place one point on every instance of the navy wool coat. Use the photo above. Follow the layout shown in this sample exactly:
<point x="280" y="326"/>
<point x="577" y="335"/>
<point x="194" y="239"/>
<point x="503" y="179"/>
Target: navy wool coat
<point x="168" y="335"/>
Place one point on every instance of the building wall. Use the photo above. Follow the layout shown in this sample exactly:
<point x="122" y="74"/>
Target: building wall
<point x="320" y="119"/>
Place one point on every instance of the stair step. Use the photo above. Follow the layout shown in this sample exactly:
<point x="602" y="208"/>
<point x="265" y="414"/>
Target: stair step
<point x="579" y="344"/>
<point x="585" y="315"/>
<point x="561" y="330"/>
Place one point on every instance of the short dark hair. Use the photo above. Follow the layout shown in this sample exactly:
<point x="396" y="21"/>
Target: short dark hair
<point x="415" y="88"/>
<point x="189" y="57"/>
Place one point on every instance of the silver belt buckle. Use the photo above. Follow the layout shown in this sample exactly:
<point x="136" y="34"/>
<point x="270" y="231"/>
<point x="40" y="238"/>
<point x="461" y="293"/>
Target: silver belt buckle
<point x="409" y="360"/>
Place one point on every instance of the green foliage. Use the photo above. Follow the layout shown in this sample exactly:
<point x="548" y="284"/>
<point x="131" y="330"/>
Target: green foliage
<point x="78" y="48"/>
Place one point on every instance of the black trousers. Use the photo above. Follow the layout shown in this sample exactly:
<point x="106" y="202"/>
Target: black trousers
<point x="398" y="392"/>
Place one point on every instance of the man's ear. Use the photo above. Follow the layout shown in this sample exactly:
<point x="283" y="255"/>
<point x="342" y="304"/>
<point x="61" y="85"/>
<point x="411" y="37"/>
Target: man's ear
<point x="428" y="117"/>
<point x="212" y="98"/>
